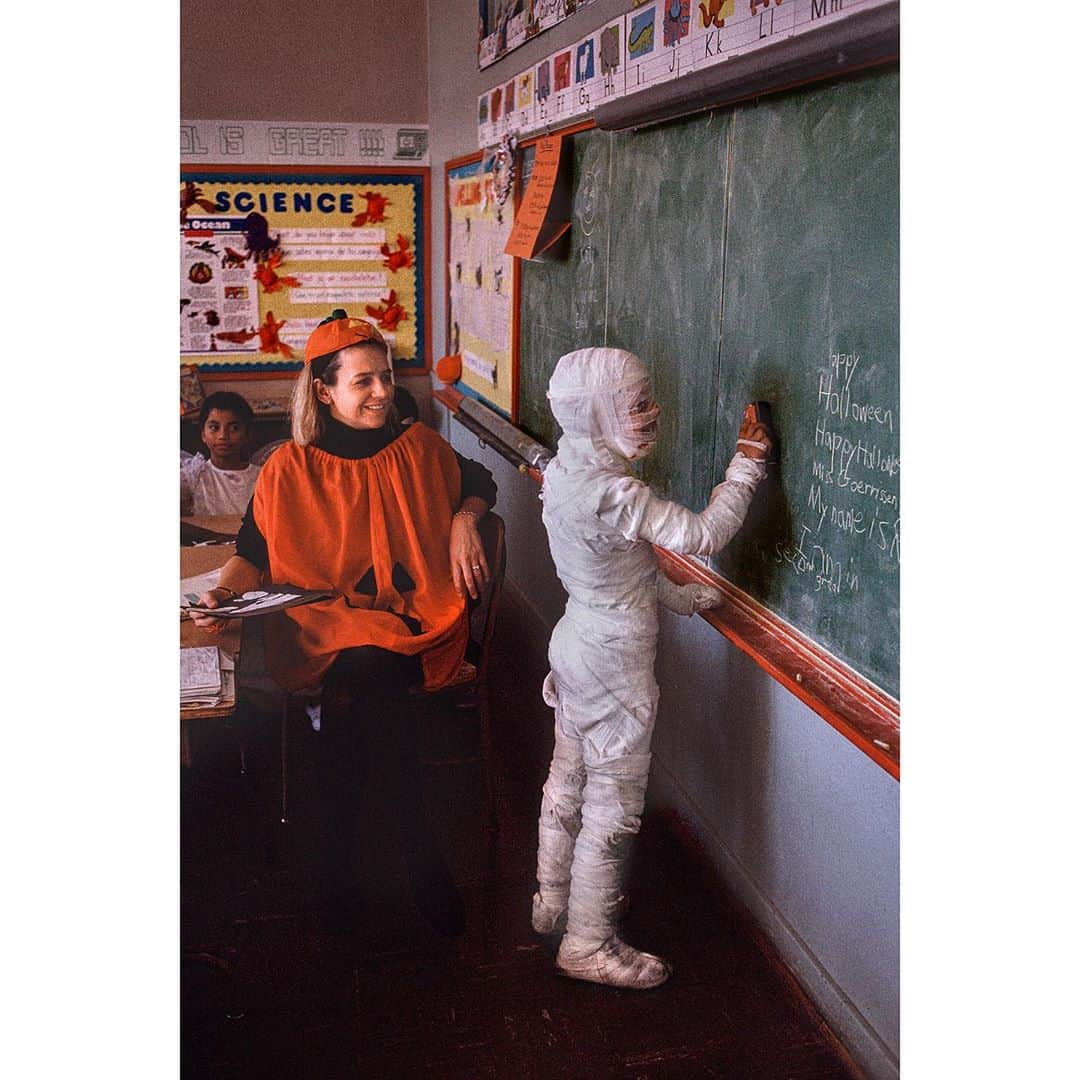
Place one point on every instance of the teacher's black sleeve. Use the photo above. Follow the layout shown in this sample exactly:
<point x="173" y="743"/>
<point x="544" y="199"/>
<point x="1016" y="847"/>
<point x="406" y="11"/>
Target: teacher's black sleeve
<point x="250" y="542"/>
<point x="476" y="480"/>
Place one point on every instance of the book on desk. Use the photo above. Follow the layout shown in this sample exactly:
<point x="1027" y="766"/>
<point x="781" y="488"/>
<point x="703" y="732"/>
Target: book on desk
<point x="206" y="677"/>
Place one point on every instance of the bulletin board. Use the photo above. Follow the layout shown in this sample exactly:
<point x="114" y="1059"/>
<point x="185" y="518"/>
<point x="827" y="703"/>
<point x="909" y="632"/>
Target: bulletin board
<point x="267" y="253"/>
<point x="482" y="283"/>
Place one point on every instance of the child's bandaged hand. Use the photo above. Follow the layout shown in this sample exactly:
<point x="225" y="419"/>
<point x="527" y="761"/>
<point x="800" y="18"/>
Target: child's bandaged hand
<point x="687" y="599"/>
<point x="755" y="440"/>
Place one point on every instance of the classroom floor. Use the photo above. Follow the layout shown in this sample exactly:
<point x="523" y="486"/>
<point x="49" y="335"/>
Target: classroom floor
<point x="266" y="993"/>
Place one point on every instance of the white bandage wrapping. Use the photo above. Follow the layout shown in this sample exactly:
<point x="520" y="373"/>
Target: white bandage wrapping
<point x="601" y="523"/>
<point x="687" y="599"/>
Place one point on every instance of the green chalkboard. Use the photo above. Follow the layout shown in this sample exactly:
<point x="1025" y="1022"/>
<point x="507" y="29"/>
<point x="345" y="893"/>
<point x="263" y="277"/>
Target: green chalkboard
<point x="753" y="253"/>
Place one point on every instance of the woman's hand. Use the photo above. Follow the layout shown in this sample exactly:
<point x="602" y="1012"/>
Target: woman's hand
<point x="211" y="598"/>
<point x="467" y="563"/>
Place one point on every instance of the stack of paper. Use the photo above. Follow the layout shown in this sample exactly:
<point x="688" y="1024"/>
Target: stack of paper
<point x="202" y="680"/>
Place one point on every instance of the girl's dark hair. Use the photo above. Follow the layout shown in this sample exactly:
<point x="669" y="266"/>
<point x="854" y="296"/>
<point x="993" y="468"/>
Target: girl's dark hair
<point x="227" y="401"/>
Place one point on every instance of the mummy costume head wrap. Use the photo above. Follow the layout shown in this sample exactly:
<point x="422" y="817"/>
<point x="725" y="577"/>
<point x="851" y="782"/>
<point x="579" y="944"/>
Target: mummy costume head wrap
<point x="604" y="395"/>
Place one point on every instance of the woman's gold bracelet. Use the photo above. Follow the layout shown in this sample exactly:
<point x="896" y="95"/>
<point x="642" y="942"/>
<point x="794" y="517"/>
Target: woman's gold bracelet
<point x="467" y="513"/>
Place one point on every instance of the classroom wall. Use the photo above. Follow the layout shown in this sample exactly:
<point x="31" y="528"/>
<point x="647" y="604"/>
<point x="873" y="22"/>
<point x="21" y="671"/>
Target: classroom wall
<point x="346" y="60"/>
<point x="353" y="61"/>
<point x="801" y="825"/>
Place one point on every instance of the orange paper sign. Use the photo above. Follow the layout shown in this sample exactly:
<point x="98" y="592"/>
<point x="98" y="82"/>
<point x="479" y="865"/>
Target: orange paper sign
<point x="533" y="229"/>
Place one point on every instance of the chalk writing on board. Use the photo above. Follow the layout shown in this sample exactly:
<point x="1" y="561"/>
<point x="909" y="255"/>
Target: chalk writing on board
<point x="834" y="393"/>
<point x="843" y="453"/>
<point x="854" y="486"/>
<point x="831" y="574"/>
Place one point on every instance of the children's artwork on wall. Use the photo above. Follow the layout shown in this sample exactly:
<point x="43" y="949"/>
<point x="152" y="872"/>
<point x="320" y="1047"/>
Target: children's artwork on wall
<point x="641" y="36"/>
<point x="506" y="24"/>
<point x="266" y="255"/>
<point x="543" y="80"/>
<point x="562" y="71"/>
<point x="585" y="61"/>
<point x="597" y="75"/>
<point x="525" y="89"/>
<point x="651" y="43"/>
<point x="655" y="44"/>
<point x="481" y="282"/>
<point x="714" y="12"/>
<point x="612" y="69"/>
<point x="676" y="21"/>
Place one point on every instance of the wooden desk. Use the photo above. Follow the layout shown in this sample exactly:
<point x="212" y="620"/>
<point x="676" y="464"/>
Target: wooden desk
<point x="200" y="560"/>
<point x="225" y="524"/>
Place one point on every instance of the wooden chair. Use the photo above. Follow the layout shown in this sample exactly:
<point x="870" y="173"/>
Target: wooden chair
<point x="469" y="688"/>
<point x="262" y="455"/>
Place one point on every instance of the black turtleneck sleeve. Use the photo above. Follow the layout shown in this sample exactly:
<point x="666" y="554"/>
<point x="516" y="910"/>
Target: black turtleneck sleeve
<point x="477" y="480"/>
<point x="346" y="442"/>
<point x="250" y="542"/>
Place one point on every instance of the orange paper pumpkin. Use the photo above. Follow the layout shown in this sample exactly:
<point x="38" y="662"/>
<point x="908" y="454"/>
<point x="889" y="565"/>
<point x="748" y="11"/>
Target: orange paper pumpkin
<point x="448" y="368"/>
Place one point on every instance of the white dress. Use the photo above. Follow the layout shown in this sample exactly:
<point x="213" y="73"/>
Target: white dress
<point x="210" y="491"/>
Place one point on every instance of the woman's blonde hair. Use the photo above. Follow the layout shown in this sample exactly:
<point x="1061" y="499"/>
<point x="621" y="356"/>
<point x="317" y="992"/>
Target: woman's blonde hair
<point x="307" y="413"/>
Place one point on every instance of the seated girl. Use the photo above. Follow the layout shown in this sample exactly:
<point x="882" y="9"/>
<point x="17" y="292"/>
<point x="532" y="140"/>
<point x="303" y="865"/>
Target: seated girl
<point x="222" y="484"/>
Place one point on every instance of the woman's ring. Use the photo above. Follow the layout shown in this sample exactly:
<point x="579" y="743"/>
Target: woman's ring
<point x="476" y="566"/>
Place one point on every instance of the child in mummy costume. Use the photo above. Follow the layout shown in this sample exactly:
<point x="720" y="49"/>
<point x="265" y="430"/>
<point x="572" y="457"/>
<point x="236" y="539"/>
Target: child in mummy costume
<point x="601" y="522"/>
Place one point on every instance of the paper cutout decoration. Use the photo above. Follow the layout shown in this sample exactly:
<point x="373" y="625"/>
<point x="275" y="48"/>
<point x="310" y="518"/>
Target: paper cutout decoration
<point x="389" y="313"/>
<point x="544" y="214"/>
<point x="396" y="259"/>
<point x="269" y="342"/>
<point x="375" y="210"/>
<point x="191" y="195"/>
<point x="267" y="276"/>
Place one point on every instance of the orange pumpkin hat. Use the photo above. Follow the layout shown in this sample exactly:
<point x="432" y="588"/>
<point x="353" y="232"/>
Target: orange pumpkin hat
<point x="338" y="331"/>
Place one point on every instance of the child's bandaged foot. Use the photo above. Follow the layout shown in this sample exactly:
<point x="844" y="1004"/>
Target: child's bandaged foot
<point x="613" y="963"/>
<point x="548" y="917"/>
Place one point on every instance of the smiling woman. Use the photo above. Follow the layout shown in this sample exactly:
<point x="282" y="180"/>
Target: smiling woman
<point x="359" y="388"/>
<point x="384" y="517"/>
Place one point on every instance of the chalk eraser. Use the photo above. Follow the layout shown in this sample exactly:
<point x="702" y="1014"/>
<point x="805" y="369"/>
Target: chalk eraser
<point x="759" y="412"/>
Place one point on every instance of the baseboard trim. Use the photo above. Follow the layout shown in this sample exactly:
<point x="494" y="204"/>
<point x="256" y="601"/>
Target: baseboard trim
<point x="851" y="1029"/>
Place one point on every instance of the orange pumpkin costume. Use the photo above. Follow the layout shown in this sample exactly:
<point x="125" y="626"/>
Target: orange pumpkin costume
<point x="377" y="532"/>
